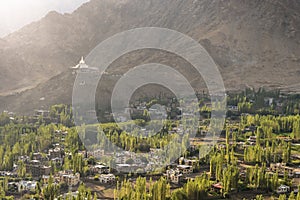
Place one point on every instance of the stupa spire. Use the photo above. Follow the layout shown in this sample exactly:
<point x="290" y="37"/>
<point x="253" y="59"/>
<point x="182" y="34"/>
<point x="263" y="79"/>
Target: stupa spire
<point x="82" y="60"/>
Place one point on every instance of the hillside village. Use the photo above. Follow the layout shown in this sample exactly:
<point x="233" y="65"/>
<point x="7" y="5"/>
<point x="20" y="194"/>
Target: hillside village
<point x="243" y="141"/>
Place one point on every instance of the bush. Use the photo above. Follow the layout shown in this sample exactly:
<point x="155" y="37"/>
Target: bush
<point x="96" y="178"/>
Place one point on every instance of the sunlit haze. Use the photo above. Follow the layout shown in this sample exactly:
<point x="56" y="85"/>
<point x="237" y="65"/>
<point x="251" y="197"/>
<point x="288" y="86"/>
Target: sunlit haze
<point x="16" y="13"/>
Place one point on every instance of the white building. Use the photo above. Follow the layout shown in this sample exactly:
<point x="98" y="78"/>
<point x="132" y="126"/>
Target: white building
<point x="100" y="169"/>
<point x="174" y="175"/>
<point x="63" y="177"/>
<point x="98" y="153"/>
<point x="27" y="185"/>
<point x="71" y="179"/>
<point x="281" y="168"/>
<point x="185" y="169"/>
<point x="283" y="189"/>
<point x="107" y="178"/>
<point x="123" y="167"/>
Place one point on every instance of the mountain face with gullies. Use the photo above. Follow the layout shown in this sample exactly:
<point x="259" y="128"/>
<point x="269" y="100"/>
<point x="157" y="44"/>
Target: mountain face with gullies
<point x="254" y="43"/>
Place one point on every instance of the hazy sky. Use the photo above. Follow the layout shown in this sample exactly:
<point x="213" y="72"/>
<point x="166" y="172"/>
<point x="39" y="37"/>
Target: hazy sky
<point x="16" y="13"/>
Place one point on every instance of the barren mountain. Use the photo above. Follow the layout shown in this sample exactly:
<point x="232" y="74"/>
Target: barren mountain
<point x="255" y="43"/>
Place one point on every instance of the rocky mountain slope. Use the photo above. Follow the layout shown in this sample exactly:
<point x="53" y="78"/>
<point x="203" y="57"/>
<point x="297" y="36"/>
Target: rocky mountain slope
<point x="254" y="43"/>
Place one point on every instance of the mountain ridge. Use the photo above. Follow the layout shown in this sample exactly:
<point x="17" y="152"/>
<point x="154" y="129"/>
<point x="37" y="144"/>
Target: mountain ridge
<point x="254" y="43"/>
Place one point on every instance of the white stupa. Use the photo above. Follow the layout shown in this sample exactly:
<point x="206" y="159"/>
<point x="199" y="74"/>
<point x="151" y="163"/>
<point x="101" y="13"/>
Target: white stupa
<point x="83" y="67"/>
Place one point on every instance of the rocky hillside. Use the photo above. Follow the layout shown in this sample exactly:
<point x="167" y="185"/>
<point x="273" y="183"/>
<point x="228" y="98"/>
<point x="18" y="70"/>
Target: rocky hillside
<point x="255" y="43"/>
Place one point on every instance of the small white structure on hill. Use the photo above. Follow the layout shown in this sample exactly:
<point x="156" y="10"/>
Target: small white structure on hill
<point x="83" y="67"/>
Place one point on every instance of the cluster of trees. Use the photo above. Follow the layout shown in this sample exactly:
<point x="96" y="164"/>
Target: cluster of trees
<point x="253" y="101"/>
<point x="292" y="196"/>
<point x="52" y="192"/>
<point x="133" y="141"/>
<point x="76" y="163"/>
<point x="160" y="190"/>
<point x="269" y="124"/>
<point x="63" y="113"/>
<point x="268" y="149"/>
<point x="224" y="169"/>
<point x="15" y="144"/>
<point x="279" y="151"/>
<point x="258" y="178"/>
<point x="156" y="190"/>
